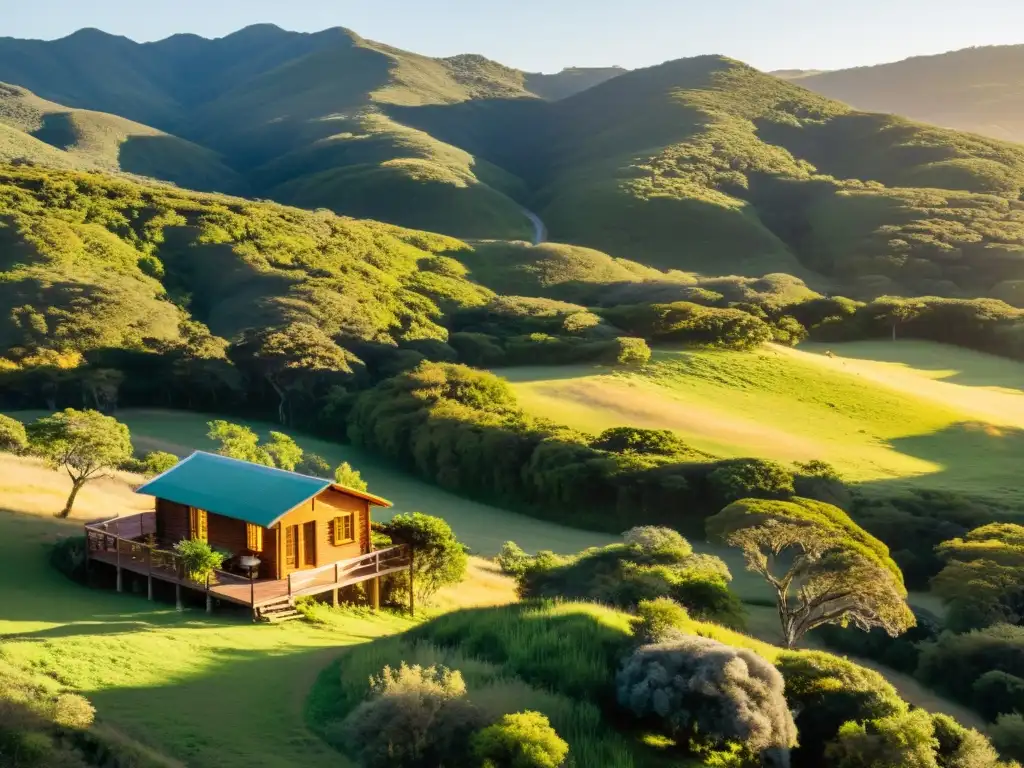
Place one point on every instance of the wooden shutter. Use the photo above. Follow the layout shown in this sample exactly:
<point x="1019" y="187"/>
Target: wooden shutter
<point x="291" y="548"/>
<point x="254" y="537"/>
<point x="344" y="529"/>
<point x="197" y="523"/>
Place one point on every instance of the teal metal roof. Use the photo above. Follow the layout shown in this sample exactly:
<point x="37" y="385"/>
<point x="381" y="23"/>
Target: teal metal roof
<point x="239" y="489"/>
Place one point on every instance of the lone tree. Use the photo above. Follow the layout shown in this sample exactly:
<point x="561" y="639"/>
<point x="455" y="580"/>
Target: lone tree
<point x="824" y="568"/>
<point x="86" y="444"/>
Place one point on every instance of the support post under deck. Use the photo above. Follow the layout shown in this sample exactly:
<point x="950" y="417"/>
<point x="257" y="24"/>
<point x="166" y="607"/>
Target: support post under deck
<point x="177" y="598"/>
<point x="149" y="587"/>
<point x="375" y="593"/>
<point x="334" y="597"/>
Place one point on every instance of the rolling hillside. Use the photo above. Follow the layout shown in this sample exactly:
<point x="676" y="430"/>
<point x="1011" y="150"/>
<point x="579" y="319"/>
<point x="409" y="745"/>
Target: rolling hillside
<point x="702" y="166"/>
<point x="39" y="131"/>
<point x="708" y="165"/>
<point x="886" y="415"/>
<point x="977" y="89"/>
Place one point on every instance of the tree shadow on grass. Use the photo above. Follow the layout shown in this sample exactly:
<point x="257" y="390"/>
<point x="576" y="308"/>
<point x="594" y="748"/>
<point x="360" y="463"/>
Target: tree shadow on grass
<point x="976" y="459"/>
<point x="233" y="709"/>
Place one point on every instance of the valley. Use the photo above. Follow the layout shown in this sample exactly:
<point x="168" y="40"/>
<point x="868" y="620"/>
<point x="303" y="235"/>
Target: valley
<point x="689" y="367"/>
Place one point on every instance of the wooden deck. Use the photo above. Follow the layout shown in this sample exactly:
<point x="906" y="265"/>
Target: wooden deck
<point x="121" y="542"/>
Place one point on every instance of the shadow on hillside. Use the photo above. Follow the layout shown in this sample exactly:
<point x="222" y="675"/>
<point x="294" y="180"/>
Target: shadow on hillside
<point x="976" y="459"/>
<point x="172" y="159"/>
<point x="58" y="130"/>
<point x="988" y="370"/>
<point x="233" y="708"/>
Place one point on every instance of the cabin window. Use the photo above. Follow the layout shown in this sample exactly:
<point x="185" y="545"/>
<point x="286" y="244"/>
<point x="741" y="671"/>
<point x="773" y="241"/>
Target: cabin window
<point x="197" y="524"/>
<point x="254" y="537"/>
<point x="344" y="529"/>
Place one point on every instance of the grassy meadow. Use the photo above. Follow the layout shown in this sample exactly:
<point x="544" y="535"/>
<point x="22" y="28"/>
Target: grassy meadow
<point x="912" y="414"/>
<point x="203" y="690"/>
<point x="482" y="527"/>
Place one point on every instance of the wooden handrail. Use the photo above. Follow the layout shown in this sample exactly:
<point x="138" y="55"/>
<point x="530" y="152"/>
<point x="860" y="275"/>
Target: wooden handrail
<point x="343" y="566"/>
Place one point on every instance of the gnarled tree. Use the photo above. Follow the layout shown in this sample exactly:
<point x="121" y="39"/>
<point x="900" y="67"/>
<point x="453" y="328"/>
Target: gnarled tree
<point x="823" y="567"/>
<point x="85" y="444"/>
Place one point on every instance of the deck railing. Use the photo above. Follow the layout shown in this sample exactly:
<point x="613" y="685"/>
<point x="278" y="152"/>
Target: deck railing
<point x="345" y="572"/>
<point x="120" y="536"/>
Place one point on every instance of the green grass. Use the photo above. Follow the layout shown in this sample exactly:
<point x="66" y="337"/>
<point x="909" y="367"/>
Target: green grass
<point x="924" y="416"/>
<point x="482" y="527"/>
<point x="210" y="691"/>
<point x="555" y="659"/>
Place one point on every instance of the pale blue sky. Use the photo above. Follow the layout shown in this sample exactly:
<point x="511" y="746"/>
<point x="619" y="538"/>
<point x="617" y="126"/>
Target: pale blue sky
<point x="546" y="35"/>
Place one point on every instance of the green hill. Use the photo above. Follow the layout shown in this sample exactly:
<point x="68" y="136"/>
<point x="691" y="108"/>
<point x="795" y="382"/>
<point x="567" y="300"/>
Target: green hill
<point x="46" y="133"/>
<point x="905" y="415"/>
<point x="91" y="263"/>
<point x="707" y="165"/>
<point x="977" y="89"/>
<point x="703" y="166"/>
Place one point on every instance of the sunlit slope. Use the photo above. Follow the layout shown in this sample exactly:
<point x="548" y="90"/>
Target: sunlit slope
<point x="43" y="132"/>
<point x="910" y="413"/>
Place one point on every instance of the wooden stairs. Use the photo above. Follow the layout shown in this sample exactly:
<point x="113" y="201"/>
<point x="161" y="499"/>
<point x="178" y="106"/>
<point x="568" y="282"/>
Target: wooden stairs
<point x="282" y="609"/>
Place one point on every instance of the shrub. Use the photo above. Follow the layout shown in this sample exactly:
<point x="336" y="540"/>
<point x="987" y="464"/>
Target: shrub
<point x="521" y="740"/>
<point x="654" y="539"/>
<point x="906" y="740"/>
<point x="954" y="663"/>
<point x="900" y="653"/>
<point x="697" y="689"/>
<point x="1008" y="735"/>
<point x="751" y="479"/>
<point x="158" y="462"/>
<point x="73" y="711"/>
<point x="632" y="351"/>
<point x="350" y="478"/>
<point x="982" y="582"/>
<point x="623" y="575"/>
<point x="998" y="693"/>
<point x="414" y="717"/>
<point x="199" y="559"/>
<point x="314" y="465"/>
<point x="825" y="691"/>
<point x="660" y="620"/>
<point x="960" y="747"/>
<point x="68" y="557"/>
<point x="477" y="349"/>
<point x="439" y="560"/>
<point x="512" y="559"/>
<point x="13" y="438"/>
<point x="656" y="442"/>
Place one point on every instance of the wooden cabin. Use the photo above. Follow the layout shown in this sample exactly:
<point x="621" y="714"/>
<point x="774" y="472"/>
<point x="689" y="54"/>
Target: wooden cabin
<point x="285" y="536"/>
<point x="290" y="522"/>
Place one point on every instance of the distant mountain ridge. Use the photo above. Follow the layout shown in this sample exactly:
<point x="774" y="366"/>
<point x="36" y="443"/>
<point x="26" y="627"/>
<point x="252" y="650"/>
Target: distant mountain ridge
<point x="975" y="89"/>
<point x="703" y="165"/>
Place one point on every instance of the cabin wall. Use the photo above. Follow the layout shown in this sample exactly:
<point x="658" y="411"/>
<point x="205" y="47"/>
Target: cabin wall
<point x="226" y="533"/>
<point x="171" y="521"/>
<point x="322" y="511"/>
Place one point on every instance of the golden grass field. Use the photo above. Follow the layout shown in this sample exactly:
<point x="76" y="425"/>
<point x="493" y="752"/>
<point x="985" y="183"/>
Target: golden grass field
<point x="913" y="414"/>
